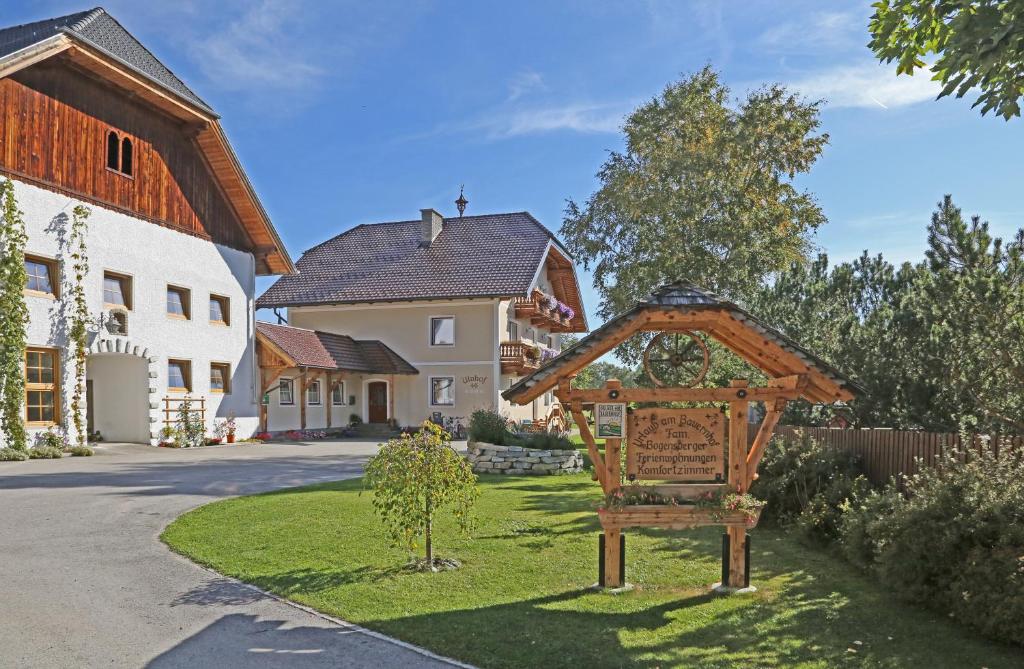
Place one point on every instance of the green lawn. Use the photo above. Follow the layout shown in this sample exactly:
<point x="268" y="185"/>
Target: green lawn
<point x="525" y="577"/>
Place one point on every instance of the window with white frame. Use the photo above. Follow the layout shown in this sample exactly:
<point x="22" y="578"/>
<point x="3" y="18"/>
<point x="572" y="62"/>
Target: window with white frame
<point x="442" y="331"/>
<point x="287" y="392"/>
<point x="547" y="398"/>
<point x="442" y="391"/>
<point x="313" y="393"/>
<point x="513" y="331"/>
<point x="338" y="394"/>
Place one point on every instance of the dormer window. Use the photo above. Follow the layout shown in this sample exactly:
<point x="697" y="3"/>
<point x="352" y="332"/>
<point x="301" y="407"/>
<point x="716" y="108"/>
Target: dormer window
<point x="120" y="154"/>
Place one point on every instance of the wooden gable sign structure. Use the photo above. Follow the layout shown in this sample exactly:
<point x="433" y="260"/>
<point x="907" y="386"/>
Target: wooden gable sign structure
<point x="686" y="451"/>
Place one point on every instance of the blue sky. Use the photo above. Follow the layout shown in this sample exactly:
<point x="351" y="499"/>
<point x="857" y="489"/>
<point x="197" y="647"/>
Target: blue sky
<point x="353" y="112"/>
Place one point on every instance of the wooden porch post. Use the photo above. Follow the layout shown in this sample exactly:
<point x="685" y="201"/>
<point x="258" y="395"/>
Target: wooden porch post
<point x="737" y="482"/>
<point x="328" y="399"/>
<point x="302" y="399"/>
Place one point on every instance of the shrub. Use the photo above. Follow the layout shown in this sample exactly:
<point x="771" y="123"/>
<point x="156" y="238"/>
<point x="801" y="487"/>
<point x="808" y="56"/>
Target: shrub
<point x="863" y="527"/>
<point x="412" y="478"/>
<point x="44" y="452"/>
<point x="957" y="543"/>
<point x="355" y="419"/>
<point x="546" y="441"/>
<point x="51" y="439"/>
<point x="81" y="451"/>
<point x="490" y="427"/>
<point x="806" y="483"/>
<point x="12" y="455"/>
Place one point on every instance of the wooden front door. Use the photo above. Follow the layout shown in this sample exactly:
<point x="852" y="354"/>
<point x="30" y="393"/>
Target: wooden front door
<point x="377" y="403"/>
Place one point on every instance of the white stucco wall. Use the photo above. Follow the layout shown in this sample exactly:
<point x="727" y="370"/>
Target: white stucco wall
<point x="154" y="257"/>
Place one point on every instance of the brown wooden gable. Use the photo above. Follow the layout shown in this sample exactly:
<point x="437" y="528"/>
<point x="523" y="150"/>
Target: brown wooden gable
<point x="683" y="307"/>
<point x="56" y="110"/>
<point x="565" y="286"/>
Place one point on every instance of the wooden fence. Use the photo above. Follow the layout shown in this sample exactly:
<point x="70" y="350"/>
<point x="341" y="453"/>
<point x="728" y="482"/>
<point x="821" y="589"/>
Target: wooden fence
<point x="888" y="453"/>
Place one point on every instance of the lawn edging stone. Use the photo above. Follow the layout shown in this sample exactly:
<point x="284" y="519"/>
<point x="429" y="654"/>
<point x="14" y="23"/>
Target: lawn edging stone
<point x="493" y="458"/>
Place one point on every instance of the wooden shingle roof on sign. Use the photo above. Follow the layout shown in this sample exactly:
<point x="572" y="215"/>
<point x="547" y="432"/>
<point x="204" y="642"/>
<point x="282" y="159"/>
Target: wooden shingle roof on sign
<point x="300" y="347"/>
<point x="682" y="306"/>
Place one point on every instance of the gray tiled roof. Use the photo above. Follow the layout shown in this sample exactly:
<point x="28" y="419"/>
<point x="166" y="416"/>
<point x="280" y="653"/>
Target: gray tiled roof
<point x="494" y="255"/>
<point x="101" y="31"/>
<point x="686" y="298"/>
<point x="326" y="350"/>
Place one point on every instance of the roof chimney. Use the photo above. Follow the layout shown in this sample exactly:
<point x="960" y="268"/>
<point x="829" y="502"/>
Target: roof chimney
<point x="430" y="226"/>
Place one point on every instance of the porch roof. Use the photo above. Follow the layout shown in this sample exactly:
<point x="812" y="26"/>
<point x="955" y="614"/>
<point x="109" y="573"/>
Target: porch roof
<point x="300" y="347"/>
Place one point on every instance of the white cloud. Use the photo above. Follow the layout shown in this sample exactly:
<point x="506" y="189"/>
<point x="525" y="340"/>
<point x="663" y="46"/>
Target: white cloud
<point x="870" y="85"/>
<point x="577" y="117"/>
<point x="523" y="83"/>
<point x="258" y="50"/>
<point x="815" y="32"/>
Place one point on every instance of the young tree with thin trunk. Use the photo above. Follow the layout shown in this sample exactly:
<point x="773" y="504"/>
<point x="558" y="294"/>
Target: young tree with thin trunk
<point x="412" y="479"/>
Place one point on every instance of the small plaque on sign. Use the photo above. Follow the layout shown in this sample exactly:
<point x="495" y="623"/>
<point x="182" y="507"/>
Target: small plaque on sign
<point x="265" y="400"/>
<point x="610" y="420"/>
<point x="676" y="445"/>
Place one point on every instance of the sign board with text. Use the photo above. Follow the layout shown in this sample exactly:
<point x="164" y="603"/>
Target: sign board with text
<point x="610" y="420"/>
<point x="676" y="445"/>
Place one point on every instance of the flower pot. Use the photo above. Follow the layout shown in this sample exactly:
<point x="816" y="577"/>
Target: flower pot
<point x="231" y="437"/>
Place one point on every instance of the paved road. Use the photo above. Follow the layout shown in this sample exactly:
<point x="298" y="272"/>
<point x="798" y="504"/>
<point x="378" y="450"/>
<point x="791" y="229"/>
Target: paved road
<point x="85" y="581"/>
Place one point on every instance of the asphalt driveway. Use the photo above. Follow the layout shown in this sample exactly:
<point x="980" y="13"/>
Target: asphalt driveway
<point x="86" y="582"/>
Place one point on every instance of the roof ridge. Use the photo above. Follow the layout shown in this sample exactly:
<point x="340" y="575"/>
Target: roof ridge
<point x="92" y="15"/>
<point x="283" y="325"/>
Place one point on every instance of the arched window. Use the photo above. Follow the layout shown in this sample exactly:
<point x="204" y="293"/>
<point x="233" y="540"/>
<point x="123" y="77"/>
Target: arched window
<point x="113" y="156"/>
<point x="126" y="156"/>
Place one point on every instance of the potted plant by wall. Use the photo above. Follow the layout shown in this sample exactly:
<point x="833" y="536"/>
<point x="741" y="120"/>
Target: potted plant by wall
<point x="230" y="427"/>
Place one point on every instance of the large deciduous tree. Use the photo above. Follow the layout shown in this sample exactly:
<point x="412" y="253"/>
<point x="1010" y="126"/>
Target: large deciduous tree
<point x="703" y="192"/>
<point x="979" y="44"/>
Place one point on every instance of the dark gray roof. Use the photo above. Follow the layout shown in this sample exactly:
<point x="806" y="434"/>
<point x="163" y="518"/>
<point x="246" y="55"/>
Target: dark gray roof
<point x="101" y="31"/>
<point x="686" y="298"/>
<point x="495" y="255"/>
<point x="327" y="350"/>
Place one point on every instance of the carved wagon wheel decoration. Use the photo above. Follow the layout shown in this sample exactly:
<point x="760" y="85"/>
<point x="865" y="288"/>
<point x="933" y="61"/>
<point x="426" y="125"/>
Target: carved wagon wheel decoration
<point x="676" y="355"/>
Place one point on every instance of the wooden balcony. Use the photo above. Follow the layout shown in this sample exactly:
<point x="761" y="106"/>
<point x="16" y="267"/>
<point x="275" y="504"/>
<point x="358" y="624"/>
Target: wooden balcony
<point x="518" y="357"/>
<point x="536" y="309"/>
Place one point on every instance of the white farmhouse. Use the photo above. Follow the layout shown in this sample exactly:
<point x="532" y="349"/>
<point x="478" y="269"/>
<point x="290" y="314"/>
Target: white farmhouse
<point x="176" y="235"/>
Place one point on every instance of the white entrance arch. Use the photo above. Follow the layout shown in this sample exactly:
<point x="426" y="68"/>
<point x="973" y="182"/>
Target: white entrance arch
<point x="148" y="404"/>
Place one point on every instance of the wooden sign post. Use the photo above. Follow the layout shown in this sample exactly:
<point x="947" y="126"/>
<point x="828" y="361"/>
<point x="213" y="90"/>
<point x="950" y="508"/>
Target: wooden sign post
<point x="681" y="456"/>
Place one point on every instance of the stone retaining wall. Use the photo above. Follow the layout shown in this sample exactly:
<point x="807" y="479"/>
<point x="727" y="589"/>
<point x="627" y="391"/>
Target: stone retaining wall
<point x="493" y="459"/>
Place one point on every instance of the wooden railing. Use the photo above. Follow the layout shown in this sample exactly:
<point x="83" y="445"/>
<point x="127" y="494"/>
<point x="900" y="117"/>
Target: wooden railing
<point x="518" y="357"/>
<point x="536" y="309"/>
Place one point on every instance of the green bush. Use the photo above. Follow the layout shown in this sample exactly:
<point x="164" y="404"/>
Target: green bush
<point x="864" y="524"/>
<point x="490" y="427"/>
<point x="51" y="439"/>
<point x="45" y="452"/>
<point x="81" y="451"/>
<point x="956" y="544"/>
<point x="806" y="483"/>
<point x="12" y="455"/>
<point x="545" y="441"/>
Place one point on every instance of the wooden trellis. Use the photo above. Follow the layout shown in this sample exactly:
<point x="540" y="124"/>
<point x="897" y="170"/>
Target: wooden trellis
<point x="684" y="452"/>
<point x="173" y="404"/>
